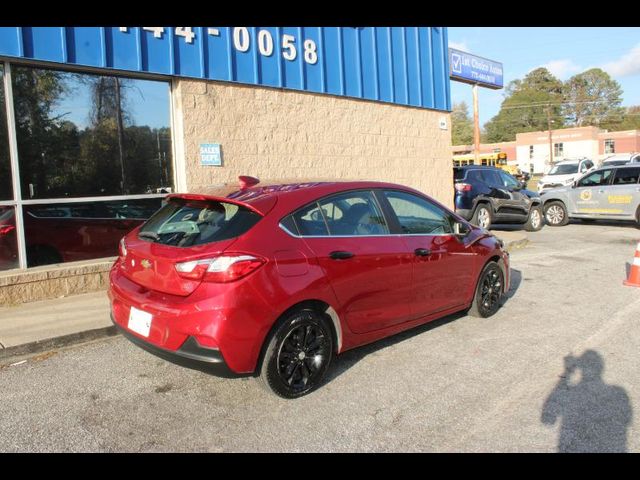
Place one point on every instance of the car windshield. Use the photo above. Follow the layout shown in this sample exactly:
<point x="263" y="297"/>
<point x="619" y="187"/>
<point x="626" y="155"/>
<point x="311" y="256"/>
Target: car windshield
<point x="565" y="169"/>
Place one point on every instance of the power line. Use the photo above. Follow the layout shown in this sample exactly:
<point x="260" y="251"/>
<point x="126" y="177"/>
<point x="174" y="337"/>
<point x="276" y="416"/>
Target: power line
<point x="549" y="104"/>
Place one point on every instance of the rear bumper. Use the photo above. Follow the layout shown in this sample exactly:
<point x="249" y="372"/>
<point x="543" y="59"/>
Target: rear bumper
<point x="190" y="355"/>
<point x="232" y="319"/>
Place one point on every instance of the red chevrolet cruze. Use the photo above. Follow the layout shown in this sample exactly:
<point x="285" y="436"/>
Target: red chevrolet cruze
<point x="275" y="280"/>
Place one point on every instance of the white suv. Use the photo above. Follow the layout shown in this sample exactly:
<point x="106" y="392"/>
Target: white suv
<point x="564" y="173"/>
<point x="621" y="159"/>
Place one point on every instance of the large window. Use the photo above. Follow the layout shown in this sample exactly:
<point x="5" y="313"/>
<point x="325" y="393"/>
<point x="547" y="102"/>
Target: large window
<point x="94" y="160"/>
<point x="558" y="149"/>
<point x="83" y="135"/>
<point x="6" y="189"/>
<point x="609" y="146"/>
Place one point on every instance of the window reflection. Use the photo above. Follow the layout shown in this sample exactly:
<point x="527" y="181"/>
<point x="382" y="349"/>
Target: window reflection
<point x="90" y="135"/>
<point x="8" y="239"/>
<point x="6" y="188"/>
<point x="66" y="232"/>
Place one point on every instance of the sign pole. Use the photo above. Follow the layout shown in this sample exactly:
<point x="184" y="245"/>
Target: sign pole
<point x="476" y="126"/>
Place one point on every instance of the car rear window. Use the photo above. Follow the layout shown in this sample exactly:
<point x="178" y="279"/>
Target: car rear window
<point x="458" y="174"/>
<point x="186" y="223"/>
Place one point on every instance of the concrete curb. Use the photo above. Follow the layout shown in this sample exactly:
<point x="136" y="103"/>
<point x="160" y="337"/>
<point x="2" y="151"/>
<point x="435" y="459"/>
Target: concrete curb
<point x="57" y="342"/>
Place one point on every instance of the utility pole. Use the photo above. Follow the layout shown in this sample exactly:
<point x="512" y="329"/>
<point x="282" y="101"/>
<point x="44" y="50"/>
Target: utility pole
<point x="476" y="126"/>
<point x="550" y="139"/>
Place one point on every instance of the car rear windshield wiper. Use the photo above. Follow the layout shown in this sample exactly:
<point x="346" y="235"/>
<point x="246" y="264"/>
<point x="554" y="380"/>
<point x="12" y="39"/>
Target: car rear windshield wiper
<point x="152" y="235"/>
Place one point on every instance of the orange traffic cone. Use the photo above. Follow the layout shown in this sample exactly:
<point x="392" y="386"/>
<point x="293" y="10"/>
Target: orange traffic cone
<point x="634" y="273"/>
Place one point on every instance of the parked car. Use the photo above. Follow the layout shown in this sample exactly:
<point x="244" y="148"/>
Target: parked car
<point x="611" y="193"/>
<point x="8" y="239"/>
<point x="621" y="159"/>
<point x="487" y="195"/>
<point x="73" y="231"/>
<point x="564" y="173"/>
<point x="274" y="280"/>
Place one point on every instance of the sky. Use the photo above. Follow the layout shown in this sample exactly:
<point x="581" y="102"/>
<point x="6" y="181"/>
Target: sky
<point x="148" y="104"/>
<point x="565" y="51"/>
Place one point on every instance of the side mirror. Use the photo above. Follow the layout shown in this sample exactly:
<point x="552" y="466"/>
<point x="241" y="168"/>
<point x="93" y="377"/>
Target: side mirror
<point x="461" y="229"/>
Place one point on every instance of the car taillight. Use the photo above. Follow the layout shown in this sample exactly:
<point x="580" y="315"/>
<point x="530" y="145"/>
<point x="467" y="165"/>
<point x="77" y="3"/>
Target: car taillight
<point x="463" y="187"/>
<point x="223" y="269"/>
<point x="122" y="248"/>
<point x="5" y="229"/>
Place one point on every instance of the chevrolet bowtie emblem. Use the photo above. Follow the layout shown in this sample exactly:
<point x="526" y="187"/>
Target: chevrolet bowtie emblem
<point x="145" y="263"/>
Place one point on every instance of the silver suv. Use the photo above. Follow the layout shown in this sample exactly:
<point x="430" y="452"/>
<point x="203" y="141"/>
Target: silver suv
<point x="608" y="193"/>
<point x="621" y="159"/>
<point x="564" y="173"/>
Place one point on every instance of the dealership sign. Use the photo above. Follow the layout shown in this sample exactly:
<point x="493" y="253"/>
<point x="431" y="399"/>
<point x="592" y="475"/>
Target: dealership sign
<point x="402" y="65"/>
<point x="468" y="68"/>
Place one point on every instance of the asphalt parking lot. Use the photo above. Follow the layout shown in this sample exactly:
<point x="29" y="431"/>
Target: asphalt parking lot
<point x="458" y="384"/>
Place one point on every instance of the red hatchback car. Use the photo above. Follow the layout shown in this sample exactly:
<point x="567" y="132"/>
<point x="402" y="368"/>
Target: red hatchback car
<point x="275" y="280"/>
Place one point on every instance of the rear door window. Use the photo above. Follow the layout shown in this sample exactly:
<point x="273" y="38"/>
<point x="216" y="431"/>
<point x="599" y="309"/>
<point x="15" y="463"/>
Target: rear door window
<point x="347" y="214"/>
<point x="491" y="178"/>
<point x="354" y="213"/>
<point x="187" y="223"/>
<point x="476" y="176"/>
<point x="625" y="176"/>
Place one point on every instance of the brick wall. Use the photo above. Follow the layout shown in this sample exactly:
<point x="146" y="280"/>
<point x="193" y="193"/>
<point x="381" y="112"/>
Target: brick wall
<point x="272" y="134"/>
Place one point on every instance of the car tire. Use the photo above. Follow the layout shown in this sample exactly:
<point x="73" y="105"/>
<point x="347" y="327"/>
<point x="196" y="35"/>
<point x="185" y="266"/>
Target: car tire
<point x="555" y="214"/>
<point x="482" y="216"/>
<point x="486" y="300"/>
<point x="298" y="354"/>
<point x="535" y="222"/>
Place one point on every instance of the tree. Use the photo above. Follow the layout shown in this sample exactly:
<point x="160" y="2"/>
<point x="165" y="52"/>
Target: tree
<point x="525" y="107"/>
<point x="461" y="125"/>
<point x="592" y="98"/>
<point x="628" y="119"/>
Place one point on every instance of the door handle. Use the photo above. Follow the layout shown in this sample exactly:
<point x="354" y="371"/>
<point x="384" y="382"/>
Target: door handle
<point x="600" y="191"/>
<point x="422" y="252"/>
<point x="340" y="255"/>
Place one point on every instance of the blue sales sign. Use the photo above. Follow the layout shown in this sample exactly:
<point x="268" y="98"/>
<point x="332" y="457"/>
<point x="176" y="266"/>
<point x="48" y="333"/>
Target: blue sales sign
<point x="210" y="154"/>
<point x="468" y="68"/>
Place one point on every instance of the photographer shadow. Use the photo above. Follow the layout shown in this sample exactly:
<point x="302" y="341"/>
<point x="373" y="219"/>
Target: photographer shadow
<point x="594" y="416"/>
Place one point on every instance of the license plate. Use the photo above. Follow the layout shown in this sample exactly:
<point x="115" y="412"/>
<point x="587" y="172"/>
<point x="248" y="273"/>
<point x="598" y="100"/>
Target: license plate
<point x="139" y="321"/>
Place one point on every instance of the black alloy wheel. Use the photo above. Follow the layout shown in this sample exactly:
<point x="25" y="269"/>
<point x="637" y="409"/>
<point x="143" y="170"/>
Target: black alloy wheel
<point x="489" y="291"/>
<point x="298" y="354"/>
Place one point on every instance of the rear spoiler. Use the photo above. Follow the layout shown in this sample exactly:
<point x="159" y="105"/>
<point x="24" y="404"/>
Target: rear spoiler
<point x="264" y="205"/>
